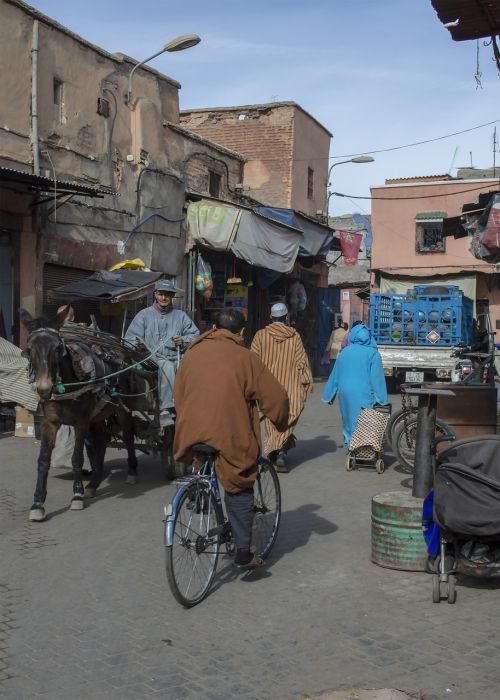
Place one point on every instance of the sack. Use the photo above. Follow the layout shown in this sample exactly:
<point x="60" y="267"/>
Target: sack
<point x="325" y="359"/>
<point x="63" y="448"/>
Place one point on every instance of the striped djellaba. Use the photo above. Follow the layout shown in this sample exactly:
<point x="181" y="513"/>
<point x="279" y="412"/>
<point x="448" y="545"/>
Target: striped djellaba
<point x="280" y="348"/>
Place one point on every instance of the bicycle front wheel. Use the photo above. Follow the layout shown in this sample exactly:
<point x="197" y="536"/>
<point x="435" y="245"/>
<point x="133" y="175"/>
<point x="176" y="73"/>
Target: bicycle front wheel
<point x="267" y="508"/>
<point x="192" y="557"/>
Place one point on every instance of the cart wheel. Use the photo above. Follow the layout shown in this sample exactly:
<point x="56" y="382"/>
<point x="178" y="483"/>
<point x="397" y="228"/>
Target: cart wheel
<point x="380" y="466"/>
<point x="436" y="592"/>
<point x="350" y="462"/>
<point x="452" y="592"/>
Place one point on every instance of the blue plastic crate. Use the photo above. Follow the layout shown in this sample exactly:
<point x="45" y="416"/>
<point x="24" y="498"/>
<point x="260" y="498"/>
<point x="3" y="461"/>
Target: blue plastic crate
<point x="400" y="319"/>
<point x="451" y="289"/>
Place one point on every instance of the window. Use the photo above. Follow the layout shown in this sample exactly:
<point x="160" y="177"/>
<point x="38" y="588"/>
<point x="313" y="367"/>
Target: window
<point x="214" y="182"/>
<point x="429" y="232"/>
<point x="58" y="101"/>
<point x="310" y="183"/>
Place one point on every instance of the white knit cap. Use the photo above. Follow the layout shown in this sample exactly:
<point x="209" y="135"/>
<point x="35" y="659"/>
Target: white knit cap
<point x="279" y="310"/>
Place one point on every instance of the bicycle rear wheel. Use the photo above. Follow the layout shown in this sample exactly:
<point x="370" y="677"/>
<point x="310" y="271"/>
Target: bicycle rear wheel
<point x="191" y="560"/>
<point x="267" y="507"/>
<point x="394" y="423"/>
<point x="405" y="441"/>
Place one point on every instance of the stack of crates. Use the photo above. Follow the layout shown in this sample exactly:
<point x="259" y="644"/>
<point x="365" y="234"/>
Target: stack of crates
<point x="421" y="318"/>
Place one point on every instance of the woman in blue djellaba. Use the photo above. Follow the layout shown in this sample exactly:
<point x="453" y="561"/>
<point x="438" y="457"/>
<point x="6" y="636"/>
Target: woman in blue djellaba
<point x="358" y="379"/>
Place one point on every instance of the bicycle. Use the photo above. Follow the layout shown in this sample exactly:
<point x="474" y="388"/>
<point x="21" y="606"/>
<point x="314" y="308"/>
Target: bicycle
<point x="195" y="526"/>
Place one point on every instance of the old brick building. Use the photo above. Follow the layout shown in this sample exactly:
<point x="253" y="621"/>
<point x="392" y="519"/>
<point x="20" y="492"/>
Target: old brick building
<point x="286" y="150"/>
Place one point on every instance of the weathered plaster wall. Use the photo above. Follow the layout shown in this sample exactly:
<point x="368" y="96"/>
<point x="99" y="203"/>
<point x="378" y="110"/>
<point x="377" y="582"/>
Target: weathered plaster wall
<point x="311" y="147"/>
<point x="264" y="135"/>
<point x="127" y="151"/>
<point x="194" y="156"/>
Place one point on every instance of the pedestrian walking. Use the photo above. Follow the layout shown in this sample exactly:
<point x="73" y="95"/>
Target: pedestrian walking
<point x="346" y="339"/>
<point x="280" y="348"/>
<point x="358" y="379"/>
<point x="334" y="344"/>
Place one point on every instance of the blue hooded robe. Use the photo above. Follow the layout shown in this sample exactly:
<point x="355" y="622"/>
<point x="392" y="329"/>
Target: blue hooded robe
<point x="357" y="378"/>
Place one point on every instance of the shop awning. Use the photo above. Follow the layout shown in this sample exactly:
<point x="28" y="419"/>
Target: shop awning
<point x="40" y="183"/>
<point x="316" y="239"/>
<point x="120" y="285"/>
<point x="252" y="237"/>
<point x="266" y="237"/>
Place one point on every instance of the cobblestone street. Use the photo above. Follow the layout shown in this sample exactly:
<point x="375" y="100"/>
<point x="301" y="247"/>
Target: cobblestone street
<point x="86" y="612"/>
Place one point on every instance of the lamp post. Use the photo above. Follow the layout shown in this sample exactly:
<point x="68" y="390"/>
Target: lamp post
<point x="186" y="41"/>
<point x="357" y="159"/>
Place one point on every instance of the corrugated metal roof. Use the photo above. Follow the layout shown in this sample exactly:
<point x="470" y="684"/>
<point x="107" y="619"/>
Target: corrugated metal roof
<point x="47" y="184"/>
<point x="418" y="178"/>
<point x="474" y="18"/>
<point x="427" y="215"/>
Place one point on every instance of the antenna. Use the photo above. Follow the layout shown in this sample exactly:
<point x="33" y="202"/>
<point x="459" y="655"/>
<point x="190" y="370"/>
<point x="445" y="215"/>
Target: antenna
<point x="453" y="159"/>
<point x="494" y="148"/>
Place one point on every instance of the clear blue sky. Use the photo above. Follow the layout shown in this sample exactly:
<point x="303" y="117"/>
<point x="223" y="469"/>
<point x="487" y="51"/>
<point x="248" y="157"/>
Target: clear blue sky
<point x="376" y="73"/>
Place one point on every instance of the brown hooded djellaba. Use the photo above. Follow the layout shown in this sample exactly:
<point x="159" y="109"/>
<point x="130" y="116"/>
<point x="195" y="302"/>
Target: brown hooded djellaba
<point x="216" y="392"/>
<point x="280" y="348"/>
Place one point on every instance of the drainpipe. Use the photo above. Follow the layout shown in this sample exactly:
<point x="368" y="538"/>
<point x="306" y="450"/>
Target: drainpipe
<point x="34" y="100"/>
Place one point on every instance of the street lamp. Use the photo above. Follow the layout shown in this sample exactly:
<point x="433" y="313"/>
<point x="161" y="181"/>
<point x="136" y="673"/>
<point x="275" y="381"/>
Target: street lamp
<point x="186" y="41"/>
<point x="357" y="159"/>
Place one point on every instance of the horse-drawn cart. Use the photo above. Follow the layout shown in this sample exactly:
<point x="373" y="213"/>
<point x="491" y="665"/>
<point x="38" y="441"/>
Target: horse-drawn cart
<point x="152" y="433"/>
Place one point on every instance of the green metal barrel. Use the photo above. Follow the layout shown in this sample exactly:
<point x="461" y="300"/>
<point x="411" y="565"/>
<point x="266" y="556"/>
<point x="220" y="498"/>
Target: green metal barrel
<point x="397" y="540"/>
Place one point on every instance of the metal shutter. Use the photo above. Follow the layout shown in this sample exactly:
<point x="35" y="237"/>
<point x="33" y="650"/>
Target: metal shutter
<point x="56" y="276"/>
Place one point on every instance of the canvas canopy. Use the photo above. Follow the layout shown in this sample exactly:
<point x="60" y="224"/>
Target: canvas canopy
<point x="119" y="285"/>
<point x="265" y="237"/>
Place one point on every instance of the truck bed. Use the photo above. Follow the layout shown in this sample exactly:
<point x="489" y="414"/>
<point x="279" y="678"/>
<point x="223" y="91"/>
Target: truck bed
<point x="417" y="357"/>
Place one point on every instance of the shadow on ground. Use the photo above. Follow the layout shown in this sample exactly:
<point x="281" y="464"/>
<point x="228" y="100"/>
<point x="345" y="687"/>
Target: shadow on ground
<point x="296" y="528"/>
<point x="150" y="476"/>
<point x="311" y="449"/>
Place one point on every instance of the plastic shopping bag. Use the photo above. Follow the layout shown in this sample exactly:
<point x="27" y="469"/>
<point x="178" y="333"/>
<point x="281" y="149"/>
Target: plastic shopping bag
<point x="203" y="281"/>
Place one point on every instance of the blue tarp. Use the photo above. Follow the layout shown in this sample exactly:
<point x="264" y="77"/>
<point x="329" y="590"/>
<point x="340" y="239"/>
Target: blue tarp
<point x="316" y="239"/>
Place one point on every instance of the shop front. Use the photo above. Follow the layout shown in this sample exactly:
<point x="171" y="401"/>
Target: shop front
<point x="251" y="259"/>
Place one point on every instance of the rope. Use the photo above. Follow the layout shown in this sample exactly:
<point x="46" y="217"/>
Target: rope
<point x="144" y="393"/>
<point x="61" y="387"/>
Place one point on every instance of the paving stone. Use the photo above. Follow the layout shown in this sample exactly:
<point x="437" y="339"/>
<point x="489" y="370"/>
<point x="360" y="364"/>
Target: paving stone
<point x="85" y="610"/>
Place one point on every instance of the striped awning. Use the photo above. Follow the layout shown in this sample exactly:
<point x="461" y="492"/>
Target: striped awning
<point x="14" y="384"/>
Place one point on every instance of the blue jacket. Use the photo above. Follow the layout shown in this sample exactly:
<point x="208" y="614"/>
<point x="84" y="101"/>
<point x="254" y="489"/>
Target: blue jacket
<point x="358" y="379"/>
<point x="156" y="330"/>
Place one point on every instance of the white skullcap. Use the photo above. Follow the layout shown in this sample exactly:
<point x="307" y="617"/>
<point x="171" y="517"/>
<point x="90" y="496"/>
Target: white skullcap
<point x="279" y="310"/>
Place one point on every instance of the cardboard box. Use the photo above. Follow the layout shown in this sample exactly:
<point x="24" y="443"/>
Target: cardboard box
<point x="25" y="425"/>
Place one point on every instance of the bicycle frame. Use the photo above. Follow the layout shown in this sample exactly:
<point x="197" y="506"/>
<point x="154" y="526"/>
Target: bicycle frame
<point x="208" y="477"/>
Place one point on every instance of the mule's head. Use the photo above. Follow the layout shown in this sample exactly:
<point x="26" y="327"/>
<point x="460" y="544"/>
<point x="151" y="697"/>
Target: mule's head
<point x="44" y="351"/>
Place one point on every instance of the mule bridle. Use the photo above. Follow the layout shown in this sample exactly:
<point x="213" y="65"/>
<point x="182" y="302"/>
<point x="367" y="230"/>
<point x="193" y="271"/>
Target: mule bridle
<point x="56" y="381"/>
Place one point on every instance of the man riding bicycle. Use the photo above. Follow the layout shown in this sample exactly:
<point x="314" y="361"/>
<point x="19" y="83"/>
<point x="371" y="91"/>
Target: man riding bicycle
<point x="217" y="389"/>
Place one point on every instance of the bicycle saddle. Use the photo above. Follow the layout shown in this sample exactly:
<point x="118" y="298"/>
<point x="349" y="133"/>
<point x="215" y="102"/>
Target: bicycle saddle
<point x="204" y="449"/>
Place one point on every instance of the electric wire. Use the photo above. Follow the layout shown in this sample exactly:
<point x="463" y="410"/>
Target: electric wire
<point x="391" y="148"/>
<point x="420" y="196"/>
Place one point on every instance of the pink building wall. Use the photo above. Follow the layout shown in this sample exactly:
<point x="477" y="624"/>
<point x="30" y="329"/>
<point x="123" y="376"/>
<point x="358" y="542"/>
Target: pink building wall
<point x="393" y="224"/>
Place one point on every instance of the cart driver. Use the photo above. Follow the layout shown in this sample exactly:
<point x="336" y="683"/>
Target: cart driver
<point x="164" y="331"/>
